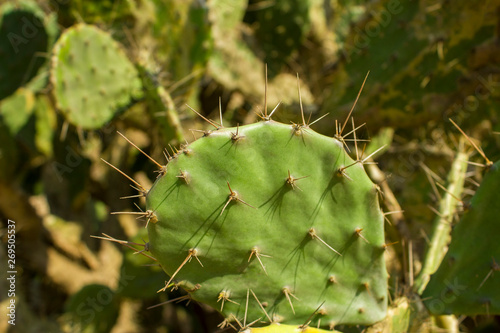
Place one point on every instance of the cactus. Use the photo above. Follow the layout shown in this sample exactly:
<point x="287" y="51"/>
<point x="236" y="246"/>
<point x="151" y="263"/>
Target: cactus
<point x="277" y="328"/>
<point x="235" y="65"/>
<point x="17" y="109"/>
<point x="466" y="282"/>
<point x="443" y="222"/>
<point x="9" y="153"/>
<point x="30" y="119"/>
<point x="398" y="318"/>
<point x="274" y="211"/>
<point x="414" y="80"/>
<point x="145" y="279"/>
<point x="94" y="308"/>
<point x="161" y="107"/>
<point x="92" y="77"/>
<point x="174" y="43"/>
<point x="45" y="127"/>
<point x="23" y="37"/>
<point x="280" y="30"/>
<point x="426" y="61"/>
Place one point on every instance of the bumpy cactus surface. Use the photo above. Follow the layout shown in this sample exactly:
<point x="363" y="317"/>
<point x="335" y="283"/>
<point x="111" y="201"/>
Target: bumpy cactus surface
<point x="272" y="223"/>
<point x="466" y="282"/>
<point x="92" y="77"/>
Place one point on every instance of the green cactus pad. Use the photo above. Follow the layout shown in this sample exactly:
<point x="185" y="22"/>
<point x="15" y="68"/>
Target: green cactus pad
<point x="467" y="282"/>
<point x="17" y="109"/>
<point x="92" y="77"/>
<point x="290" y="228"/>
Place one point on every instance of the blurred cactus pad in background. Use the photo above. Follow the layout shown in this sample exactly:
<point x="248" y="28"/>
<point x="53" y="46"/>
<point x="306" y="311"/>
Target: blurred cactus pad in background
<point x="251" y="166"/>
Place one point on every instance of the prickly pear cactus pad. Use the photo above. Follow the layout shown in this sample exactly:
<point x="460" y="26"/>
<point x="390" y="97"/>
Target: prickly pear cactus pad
<point x="92" y="77"/>
<point x="467" y="282"/>
<point x="271" y="217"/>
